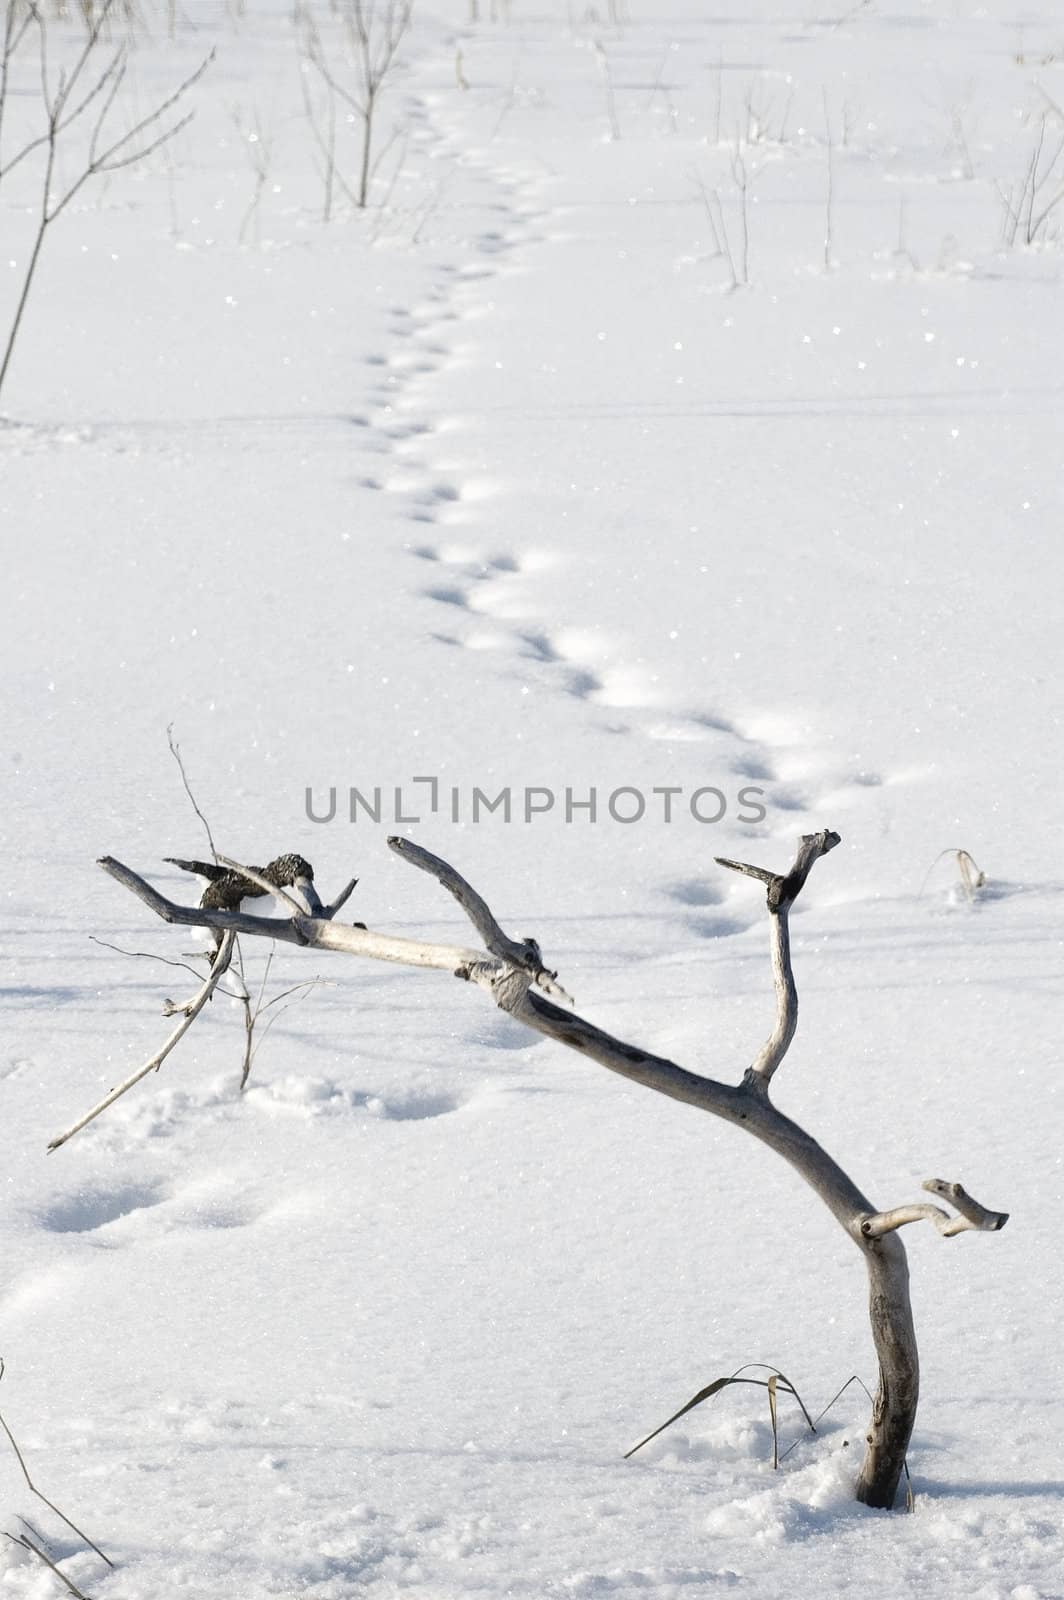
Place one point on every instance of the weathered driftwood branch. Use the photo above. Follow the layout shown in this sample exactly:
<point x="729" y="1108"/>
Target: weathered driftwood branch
<point x="514" y="973"/>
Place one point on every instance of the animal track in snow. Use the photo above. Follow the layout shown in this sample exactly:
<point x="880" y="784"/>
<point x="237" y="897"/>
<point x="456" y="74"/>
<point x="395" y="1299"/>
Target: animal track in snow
<point x="448" y="596"/>
<point x="417" y="362"/>
<point x="314" y="1097"/>
<point x="753" y="767"/>
<point x="699" y="898"/>
<point x="488" y="608"/>
<point x="718" y="927"/>
<point x="689" y="729"/>
<point x="582" y="662"/>
<point x="88" y="1210"/>
<point x="416" y="487"/>
<point x="437" y="493"/>
<point x="484" y="585"/>
<point x="694" y="892"/>
<point x="402" y="432"/>
<point x="470" y="273"/>
<point x="501" y="1032"/>
<point x="420" y="349"/>
<point x="485" y="604"/>
<point x="464" y="556"/>
<point x="447" y="493"/>
<point x="176" y="1113"/>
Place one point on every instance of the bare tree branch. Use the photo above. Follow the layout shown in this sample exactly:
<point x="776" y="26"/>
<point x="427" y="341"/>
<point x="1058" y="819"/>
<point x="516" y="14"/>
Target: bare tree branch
<point x="16" y="26"/>
<point x="373" y="31"/>
<point x="118" y="154"/>
<point x="62" y="108"/>
<point x="513" y="973"/>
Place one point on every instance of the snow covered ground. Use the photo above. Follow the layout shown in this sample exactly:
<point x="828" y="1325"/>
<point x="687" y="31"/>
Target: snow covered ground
<point x="509" y="484"/>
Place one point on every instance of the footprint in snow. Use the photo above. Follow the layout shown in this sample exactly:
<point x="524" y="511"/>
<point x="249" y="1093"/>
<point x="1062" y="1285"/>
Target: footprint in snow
<point x="694" y="892"/>
<point x="718" y="927"/>
<point x="314" y="1098"/>
<point x="402" y="432"/>
<point x="459" y="555"/>
<point x="448" y="596"/>
<point x="89" y="1210"/>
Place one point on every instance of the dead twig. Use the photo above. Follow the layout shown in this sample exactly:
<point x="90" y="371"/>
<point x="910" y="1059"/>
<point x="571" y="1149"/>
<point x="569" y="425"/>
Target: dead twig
<point x="32" y="1487"/>
<point x="188" y="1011"/>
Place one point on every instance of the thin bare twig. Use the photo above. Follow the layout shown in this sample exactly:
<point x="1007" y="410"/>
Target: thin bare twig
<point x="175" y="751"/>
<point x="145" y="955"/>
<point x="20" y="1458"/>
<point x="373" y="34"/>
<point x="189" y="1012"/>
<point x="307" y="988"/>
<point x="27" y="1544"/>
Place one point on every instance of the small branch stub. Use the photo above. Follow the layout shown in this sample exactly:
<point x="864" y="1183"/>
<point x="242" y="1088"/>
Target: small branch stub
<point x="785" y="887"/>
<point x="972" y="1218"/>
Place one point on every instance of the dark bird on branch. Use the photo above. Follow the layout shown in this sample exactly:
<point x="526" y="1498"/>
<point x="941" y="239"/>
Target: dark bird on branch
<point x="226" y="889"/>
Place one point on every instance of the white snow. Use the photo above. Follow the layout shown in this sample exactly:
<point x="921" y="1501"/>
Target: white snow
<point x="502" y="484"/>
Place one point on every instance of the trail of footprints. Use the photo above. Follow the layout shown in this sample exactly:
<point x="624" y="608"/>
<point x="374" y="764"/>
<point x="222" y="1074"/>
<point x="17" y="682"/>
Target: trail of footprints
<point x="486" y="592"/>
<point x="424" y="340"/>
<point x="483" y="597"/>
<point x="127" y="1216"/>
<point x="432" y="491"/>
<point x="146" y="1211"/>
